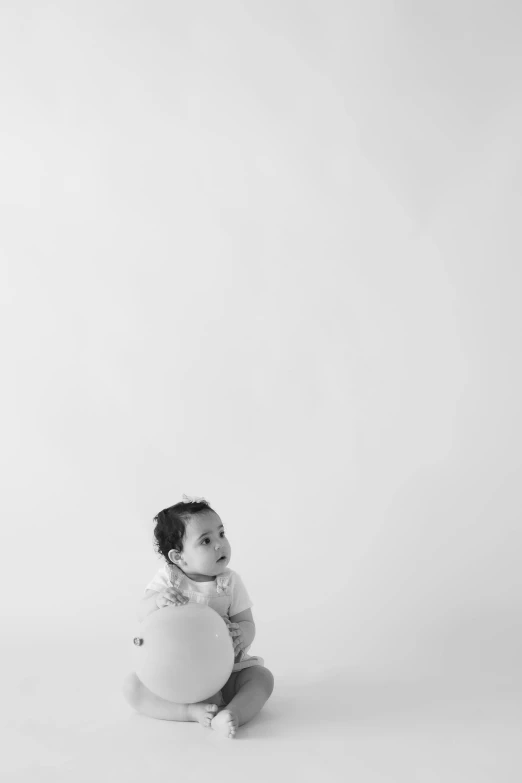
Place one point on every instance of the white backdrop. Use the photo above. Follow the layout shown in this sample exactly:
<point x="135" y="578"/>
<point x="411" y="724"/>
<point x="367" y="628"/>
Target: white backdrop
<point x="267" y="253"/>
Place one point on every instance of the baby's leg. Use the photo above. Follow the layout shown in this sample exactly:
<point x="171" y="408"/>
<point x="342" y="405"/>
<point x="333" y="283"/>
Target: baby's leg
<point x="147" y="703"/>
<point x="253" y="687"/>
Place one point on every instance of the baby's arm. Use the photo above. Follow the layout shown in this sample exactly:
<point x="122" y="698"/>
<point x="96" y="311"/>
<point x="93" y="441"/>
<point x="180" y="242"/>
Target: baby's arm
<point x="245" y="621"/>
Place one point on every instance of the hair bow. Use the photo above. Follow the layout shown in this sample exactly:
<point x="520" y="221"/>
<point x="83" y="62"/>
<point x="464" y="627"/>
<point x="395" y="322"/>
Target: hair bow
<point x="188" y="499"/>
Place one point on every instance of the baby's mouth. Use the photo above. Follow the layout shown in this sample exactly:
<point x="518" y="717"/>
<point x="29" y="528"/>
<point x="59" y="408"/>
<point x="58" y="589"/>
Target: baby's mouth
<point x="223" y="557"/>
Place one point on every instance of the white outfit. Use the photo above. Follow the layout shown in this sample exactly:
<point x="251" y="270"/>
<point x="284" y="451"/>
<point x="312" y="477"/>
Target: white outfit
<point x="227" y="595"/>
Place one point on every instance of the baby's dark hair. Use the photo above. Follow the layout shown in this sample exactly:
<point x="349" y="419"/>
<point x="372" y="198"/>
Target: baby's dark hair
<point x="170" y="529"/>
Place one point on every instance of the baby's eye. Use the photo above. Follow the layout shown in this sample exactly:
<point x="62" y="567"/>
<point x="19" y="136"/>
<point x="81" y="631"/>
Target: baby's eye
<point x="208" y="539"/>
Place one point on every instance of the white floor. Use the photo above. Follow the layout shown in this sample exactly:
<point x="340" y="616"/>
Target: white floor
<point x="64" y="720"/>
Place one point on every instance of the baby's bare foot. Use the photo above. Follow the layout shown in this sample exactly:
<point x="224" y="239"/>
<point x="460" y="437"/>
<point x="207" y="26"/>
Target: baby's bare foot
<point x="225" y="722"/>
<point x="202" y="712"/>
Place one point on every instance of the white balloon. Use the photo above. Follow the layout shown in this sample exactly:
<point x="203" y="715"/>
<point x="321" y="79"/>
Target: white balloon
<point x="184" y="653"/>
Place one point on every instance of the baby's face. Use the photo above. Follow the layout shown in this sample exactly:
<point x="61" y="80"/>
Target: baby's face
<point x="204" y="545"/>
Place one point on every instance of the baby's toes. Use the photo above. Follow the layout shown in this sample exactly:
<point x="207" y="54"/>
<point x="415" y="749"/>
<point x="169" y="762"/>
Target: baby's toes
<point x="211" y="711"/>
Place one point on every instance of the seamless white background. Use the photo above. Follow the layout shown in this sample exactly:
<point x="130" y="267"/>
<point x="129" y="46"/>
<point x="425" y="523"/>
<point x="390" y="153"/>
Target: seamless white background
<point x="267" y="253"/>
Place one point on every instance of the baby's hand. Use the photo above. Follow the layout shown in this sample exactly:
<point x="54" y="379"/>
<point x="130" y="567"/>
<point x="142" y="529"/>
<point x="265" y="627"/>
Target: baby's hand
<point x="236" y="634"/>
<point x="170" y="597"/>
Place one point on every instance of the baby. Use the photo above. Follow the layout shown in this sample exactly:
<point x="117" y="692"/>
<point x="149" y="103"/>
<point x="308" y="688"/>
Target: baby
<point x="192" y="540"/>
